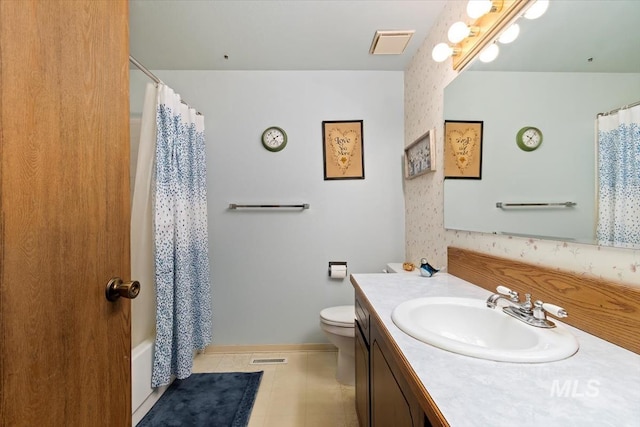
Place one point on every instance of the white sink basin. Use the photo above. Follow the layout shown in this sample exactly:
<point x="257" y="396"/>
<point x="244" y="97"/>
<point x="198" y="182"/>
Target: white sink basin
<point x="467" y="326"/>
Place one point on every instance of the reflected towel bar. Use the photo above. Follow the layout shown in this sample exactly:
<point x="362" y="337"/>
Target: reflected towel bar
<point x="236" y="206"/>
<point x="502" y="205"/>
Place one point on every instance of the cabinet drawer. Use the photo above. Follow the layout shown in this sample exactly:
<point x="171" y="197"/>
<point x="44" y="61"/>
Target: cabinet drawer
<point x="362" y="318"/>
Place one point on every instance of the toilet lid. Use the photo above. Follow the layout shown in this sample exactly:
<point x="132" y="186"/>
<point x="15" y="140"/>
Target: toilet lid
<point x="343" y="315"/>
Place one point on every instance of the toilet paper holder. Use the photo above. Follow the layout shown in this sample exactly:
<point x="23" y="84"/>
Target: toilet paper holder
<point x="337" y="264"/>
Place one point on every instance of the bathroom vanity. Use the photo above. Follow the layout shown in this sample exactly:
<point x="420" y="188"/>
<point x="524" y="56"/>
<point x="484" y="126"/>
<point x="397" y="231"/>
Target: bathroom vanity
<point x="401" y="381"/>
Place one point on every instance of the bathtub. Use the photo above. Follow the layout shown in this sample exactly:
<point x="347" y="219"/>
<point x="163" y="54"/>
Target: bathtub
<point x="143" y="397"/>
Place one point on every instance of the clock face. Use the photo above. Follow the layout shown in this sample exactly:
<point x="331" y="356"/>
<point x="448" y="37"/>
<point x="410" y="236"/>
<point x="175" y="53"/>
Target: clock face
<point x="274" y="139"/>
<point x="529" y="138"/>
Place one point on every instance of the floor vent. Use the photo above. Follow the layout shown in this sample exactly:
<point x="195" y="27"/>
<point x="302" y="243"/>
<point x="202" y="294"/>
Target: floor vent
<point x="272" y="361"/>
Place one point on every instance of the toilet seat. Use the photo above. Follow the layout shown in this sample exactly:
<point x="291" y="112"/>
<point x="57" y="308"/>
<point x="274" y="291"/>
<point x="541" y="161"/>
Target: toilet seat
<point x="342" y="316"/>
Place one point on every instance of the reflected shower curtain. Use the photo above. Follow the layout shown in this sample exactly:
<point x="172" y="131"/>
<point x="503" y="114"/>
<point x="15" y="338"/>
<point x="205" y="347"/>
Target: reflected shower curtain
<point x="183" y="311"/>
<point x="619" y="178"/>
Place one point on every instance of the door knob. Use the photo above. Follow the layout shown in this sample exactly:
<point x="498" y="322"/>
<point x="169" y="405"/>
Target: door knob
<point x="116" y="288"/>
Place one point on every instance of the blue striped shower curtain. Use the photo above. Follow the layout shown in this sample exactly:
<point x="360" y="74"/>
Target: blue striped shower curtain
<point x="619" y="178"/>
<point x="183" y="311"/>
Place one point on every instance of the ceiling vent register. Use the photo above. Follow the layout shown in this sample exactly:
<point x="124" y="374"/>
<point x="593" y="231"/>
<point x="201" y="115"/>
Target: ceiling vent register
<point x="390" y="42"/>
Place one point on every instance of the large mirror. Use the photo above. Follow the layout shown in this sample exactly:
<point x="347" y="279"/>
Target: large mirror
<point x="579" y="59"/>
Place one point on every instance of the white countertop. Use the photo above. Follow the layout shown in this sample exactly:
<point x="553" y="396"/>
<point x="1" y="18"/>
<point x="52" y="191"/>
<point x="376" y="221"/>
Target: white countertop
<point x="599" y="385"/>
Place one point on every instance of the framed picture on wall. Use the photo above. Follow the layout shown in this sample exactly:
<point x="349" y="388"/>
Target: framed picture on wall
<point x="419" y="156"/>
<point x="342" y="149"/>
<point x="463" y="149"/>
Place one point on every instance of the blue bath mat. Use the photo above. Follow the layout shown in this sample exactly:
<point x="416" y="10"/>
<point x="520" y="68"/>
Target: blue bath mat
<point x="206" y="400"/>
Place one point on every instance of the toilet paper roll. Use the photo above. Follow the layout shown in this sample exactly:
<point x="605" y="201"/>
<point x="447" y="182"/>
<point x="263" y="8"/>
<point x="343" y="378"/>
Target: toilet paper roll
<point x="338" y="271"/>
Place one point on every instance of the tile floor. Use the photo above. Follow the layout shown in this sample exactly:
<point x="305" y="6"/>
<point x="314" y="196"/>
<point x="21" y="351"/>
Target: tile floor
<point x="301" y="393"/>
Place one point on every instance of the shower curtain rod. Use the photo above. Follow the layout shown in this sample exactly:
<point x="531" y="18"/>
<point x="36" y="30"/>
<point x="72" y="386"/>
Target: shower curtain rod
<point x="153" y="77"/>
<point x="144" y="69"/>
<point x="624" y="107"/>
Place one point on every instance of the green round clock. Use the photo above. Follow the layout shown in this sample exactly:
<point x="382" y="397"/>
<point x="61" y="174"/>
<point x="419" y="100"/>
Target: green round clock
<point x="529" y="138"/>
<point x="274" y="138"/>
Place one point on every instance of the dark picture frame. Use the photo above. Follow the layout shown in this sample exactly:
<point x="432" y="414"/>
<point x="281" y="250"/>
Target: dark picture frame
<point x="343" y="149"/>
<point x="463" y="149"/>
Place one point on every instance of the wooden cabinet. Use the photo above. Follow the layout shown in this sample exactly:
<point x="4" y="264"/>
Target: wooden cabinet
<point x="383" y="395"/>
<point x="362" y="365"/>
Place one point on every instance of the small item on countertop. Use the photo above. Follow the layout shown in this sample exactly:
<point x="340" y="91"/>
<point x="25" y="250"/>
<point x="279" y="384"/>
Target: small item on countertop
<point x="426" y="269"/>
<point x="407" y="266"/>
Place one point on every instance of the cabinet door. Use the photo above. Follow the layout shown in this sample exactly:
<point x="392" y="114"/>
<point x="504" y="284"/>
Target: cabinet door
<point x="362" y="379"/>
<point x="389" y="404"/>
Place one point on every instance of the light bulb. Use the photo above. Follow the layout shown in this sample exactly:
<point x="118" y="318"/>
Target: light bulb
<point x="458" y="32"/>
<point x="490" y="53"/>
<point x="477" y="8"/>
<point x="441" y="52"/>
<point x="510" y="34"/>
<point x="537" y="9"/>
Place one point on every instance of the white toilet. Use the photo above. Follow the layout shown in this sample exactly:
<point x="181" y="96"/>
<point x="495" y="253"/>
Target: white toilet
<point x="338" y="324"/>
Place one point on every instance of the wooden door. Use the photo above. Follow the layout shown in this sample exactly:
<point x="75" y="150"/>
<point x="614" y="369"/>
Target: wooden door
<point x="64" y="213"/>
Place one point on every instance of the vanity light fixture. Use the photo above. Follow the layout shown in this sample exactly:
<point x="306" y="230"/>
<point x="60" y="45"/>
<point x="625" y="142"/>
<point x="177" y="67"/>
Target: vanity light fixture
<point x="510" y="34"/>
<point x="537" y="9"/>
<point x="470" y="40"/>
<point x="460" y="31"/>
<point x="489" y="53"/>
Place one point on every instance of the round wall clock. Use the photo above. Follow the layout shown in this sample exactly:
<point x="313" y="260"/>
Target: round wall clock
<point x="529" y="138"/>
<point x="274" y="138"/>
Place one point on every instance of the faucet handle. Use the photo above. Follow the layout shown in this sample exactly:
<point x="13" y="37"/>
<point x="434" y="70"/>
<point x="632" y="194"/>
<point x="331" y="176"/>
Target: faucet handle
<point x="554" y="309"/>
<point x="513" y="295"/>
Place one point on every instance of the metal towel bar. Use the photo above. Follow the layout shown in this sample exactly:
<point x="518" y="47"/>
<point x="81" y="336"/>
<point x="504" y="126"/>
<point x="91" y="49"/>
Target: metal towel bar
<point x="237" y="206"/>
<point x="503" y="205"/>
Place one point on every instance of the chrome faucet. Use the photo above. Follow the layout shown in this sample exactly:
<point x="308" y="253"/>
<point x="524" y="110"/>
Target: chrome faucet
<point x="503" y="293"/>
<point x="533" y="314"/>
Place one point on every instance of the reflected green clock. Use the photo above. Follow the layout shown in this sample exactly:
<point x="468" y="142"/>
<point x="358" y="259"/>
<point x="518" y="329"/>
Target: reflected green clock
<point x="529" y="138"/>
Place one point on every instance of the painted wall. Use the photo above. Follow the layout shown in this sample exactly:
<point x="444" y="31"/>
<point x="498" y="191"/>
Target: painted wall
<point x="269" y="268"/>
<point x="563" y="106"/>
<point x="426" y="236"/>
